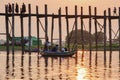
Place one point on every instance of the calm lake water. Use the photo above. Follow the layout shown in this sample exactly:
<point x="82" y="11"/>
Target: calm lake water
<point x="87" y="66"/>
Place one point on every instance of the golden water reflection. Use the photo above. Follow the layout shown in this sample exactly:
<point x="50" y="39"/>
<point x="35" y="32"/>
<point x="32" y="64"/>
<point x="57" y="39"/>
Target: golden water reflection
<point x="82" y="73"/>
<point x="84" y="66"/>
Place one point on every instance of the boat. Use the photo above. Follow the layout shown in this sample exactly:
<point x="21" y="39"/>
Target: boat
<point x="58" y="54"/>
<point x="32" y="50"/>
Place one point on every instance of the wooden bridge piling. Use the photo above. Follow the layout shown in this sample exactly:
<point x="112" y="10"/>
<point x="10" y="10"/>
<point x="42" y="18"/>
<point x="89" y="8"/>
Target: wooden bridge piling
<point x="82" y="34"/>
<point x="119" y="29"/>
<point x="110" y="28"/>
<point x="22" y="33"/>
<point x="76" y="32"/>
<point x="29" y="27"/>
<point x="90" y="26"/>
<point x="96" y="35"/>
<point x="105" y="32"/>
<point x="105" y="37"/>
<point x="7" y="29"/>
<point x="67" y="26"/>
<point x="52" y="30"/>
<point x="46" y="23"/>
<point x="37" y="18"/>
<point x="13" y="29"/>
<point x="60" y="29"/>
<point x="76" y="28"/>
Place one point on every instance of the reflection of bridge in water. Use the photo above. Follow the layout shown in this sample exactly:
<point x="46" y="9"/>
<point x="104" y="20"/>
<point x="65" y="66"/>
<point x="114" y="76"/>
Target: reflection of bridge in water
<point x="86" y="66"/>
<point x="95" y="17"/>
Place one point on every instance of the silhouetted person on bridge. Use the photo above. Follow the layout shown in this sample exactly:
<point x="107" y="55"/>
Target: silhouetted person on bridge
<point x="23" y="10"/>
<point x="9" y="8"/>
<point x="17" y="8"/>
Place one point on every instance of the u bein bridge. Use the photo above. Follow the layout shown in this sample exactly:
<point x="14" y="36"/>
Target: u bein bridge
<point x="12" y="12"/>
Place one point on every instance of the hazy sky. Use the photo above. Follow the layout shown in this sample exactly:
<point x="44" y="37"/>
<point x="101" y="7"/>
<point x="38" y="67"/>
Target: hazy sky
<point x="53" y="6"/>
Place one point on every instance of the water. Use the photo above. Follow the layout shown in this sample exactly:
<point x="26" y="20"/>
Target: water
<point x="87" y="66"/>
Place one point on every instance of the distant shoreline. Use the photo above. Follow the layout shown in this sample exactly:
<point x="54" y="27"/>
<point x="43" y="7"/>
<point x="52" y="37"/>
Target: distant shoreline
<point x="86" y="48"/>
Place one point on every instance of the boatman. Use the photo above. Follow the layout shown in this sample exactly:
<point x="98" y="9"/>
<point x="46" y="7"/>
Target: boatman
<point x="47" y="45"/>
<point x="55" y="48"/>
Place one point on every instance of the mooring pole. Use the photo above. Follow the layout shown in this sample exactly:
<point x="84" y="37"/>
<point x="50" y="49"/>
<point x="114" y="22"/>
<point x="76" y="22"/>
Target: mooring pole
<point x="96" y="35"/>
<point x="82" y="34"/>
<point x="67" y="24"/>
<point x="60" y="29"/>
<point x="22" y="33"/>
<point x="52" y="29"/>
<point x="110" y="29"/>
<point x="37" y="17"/>
<point x="13" y="35"/>
<point x="7" y="29"/>
<point x="29" y="26"/>
<point x="46" y="24"/>
<point x="90" y="44"/>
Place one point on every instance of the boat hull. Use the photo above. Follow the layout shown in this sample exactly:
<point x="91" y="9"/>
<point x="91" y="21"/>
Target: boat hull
<point x="32" y="50"/>
<point x="58" y="54"/>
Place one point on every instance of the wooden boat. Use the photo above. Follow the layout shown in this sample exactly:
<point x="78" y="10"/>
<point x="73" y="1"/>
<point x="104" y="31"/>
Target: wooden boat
<point x="58" y="54"/>
<point x="32" y="50"/>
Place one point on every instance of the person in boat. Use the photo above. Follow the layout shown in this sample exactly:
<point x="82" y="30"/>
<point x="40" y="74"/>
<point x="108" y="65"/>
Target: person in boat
<point x="55" y="48"/>
<point x="47" y="45"/>
<point x="64" y="49"/>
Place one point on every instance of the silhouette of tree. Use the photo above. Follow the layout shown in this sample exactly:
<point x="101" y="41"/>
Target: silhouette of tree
<point x="100" y="37"/>
<point x="85" y="34"/>
<point x="118" y="38"/>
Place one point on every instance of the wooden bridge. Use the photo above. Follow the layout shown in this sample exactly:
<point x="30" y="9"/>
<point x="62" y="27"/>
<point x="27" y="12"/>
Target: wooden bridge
<point x="107" y="18"/>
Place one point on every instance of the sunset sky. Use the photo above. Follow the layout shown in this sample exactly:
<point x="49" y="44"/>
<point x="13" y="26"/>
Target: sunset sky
<point x="54" y="5"/>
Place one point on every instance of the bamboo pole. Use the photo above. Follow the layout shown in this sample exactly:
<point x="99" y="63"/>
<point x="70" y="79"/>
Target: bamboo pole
<point x="60" y="29"/>
<point x="13" y="34"/>
<point x="96" y="35"/>
<point x="67" y="23"/>
<point x="29" y="27"/>
<point x="82" y="35"/>
<point x="7" y="29"/>
<point x="110" y="29"/>
<point x="38" y="45"/>
<point x="90" y="41"/>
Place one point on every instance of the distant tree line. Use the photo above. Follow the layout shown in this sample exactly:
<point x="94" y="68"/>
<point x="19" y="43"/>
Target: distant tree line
<point x="86" y="36"/>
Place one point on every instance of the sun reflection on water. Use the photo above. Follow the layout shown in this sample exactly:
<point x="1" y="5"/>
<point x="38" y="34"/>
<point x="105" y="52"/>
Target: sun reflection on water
<point x="81" y="73"/>
<point x="81" y="51"/>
